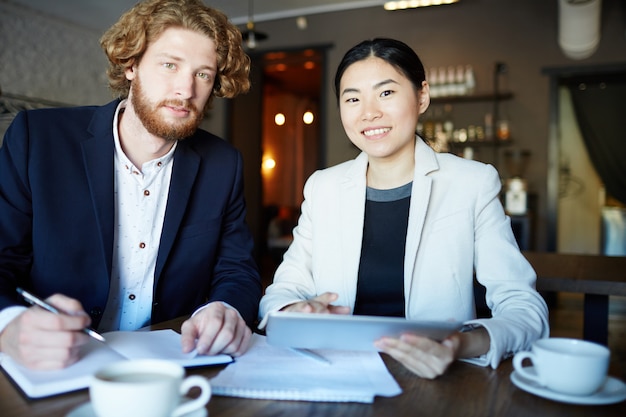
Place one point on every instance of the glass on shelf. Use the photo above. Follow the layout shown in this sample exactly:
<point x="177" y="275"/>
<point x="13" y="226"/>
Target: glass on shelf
<point x="503" y="131"/>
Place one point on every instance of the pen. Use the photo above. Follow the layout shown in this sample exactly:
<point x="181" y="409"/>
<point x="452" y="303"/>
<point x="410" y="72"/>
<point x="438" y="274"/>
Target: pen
<point x="36" y="301"/>
<point x="313" y="355"/>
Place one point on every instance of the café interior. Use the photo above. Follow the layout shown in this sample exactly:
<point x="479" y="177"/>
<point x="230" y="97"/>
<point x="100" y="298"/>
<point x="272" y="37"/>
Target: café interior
<point x="531" y="87"/>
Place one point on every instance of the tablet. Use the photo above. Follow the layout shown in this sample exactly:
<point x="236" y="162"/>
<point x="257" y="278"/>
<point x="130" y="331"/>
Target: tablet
<point x="346" y="332"/>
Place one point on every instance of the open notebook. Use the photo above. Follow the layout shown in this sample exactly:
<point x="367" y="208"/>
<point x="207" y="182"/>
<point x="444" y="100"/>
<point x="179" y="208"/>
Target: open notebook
<point x="327" y="375"/>
<point x="120" y="345"/>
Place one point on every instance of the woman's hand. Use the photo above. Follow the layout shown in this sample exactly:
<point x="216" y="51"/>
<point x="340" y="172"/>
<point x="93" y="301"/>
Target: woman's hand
<point x="429" y="359"/>
<point x="422" y="356"/>
<point x="319" y="304"/>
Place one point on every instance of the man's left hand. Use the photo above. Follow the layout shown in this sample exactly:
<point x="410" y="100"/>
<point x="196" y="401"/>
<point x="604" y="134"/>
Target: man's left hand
<point x="216" y="329"/>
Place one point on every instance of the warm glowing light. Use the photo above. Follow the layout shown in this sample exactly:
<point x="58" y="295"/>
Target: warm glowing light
<point x="279" y="119"/>
<point x="411" y="4"/>
<point x="309" y="65"/>
<point x="308" y="117"/>
<point x="301" y="22"/>
<point x="269" y="163"/>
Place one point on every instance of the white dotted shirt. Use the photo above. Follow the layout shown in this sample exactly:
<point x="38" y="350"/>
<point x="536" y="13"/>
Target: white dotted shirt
<point x="140" y="201"/>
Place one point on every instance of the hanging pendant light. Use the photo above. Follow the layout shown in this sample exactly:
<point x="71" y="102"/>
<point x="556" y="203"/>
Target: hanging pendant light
<point x="250" y="36"/>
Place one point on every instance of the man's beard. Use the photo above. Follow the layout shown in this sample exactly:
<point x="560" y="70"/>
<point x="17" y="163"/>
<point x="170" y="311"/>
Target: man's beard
<point x="154" y="124"/>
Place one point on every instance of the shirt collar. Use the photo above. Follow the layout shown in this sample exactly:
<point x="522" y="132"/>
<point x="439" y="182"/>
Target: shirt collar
<point x="121" y="156"/>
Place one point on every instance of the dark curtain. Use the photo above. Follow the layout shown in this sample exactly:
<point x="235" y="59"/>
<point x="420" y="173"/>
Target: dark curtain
<point x="599" y="104"/>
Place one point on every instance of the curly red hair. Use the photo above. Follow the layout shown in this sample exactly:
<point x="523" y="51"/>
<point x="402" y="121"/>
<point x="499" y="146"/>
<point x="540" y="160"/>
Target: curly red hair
<point x="126" y="41"/>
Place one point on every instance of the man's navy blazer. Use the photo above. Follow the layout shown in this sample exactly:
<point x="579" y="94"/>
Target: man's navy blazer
<point x="57" y="217"/>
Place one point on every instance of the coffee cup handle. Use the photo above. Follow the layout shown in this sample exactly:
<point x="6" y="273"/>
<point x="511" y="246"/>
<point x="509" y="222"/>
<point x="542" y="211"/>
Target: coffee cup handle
<point x="524" y="370"/>
<point x="196" y="403"/>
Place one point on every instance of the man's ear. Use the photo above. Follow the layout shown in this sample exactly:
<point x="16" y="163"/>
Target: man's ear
<point x="130" y="72"/>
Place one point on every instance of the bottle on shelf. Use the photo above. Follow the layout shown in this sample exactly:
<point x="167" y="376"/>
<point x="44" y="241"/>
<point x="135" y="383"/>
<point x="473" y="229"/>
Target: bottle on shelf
<point x="433" y="82"/>
<point x="448" y="124"/>
<point x="428" y="126"/>
<point x="451" y="86"/>
<point x="503" y="132"/>
<point x="489" y="127"/>
<point x="440" y="140"/>
<point x="468" y="152"/>
<point x="459" y="81"/>
<point x="471" y="133"/>
<point x="470" y="80"/>
<point x="442" y="76"/>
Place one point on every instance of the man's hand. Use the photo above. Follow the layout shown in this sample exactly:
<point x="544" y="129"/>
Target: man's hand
<point x="216" y="329"/>
<point x="42" y="340"/>
<point x="319" y="304"/>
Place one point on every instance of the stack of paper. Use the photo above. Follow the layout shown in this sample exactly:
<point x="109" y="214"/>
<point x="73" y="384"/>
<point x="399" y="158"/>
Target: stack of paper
<point x="278" y="373"/>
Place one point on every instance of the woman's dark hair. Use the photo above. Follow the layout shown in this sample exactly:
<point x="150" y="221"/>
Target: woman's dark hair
<point x="392" y="51"/>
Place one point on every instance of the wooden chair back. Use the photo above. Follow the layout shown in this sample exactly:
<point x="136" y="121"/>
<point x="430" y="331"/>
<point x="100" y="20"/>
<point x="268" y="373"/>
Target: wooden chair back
<point x="595" y="276"/>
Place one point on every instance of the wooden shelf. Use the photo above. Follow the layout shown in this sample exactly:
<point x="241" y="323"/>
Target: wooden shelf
<point x="480" y="143"/>
<point x="473" y="98"/>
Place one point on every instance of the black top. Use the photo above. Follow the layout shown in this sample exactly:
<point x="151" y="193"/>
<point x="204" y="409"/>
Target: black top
<point x="380" y="286"/>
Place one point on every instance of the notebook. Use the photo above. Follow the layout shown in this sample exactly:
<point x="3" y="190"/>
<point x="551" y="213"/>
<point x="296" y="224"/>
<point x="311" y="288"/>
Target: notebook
<point x="279" y="373"/>
<point x="347" y="332"/>
<point x="120" y="345"/>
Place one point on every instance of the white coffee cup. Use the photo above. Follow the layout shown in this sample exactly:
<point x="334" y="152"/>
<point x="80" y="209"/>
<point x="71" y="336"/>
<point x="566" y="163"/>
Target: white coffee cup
<point x="569" y="366"/>
<point x="145" y="388"/>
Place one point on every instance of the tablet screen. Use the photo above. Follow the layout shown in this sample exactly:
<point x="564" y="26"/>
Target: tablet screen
<point x="347" y="332"/>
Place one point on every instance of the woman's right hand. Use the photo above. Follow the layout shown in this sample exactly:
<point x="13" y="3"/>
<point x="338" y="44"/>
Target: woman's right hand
<point x="319" y="304"/>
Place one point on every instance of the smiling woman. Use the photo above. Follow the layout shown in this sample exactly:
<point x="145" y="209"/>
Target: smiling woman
<point x="401" y="230"/>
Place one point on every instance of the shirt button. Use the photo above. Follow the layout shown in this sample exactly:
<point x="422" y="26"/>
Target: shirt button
<point x="142" y="245"/>
<point x="159" y="163"/>
<point x="131" y="297"/>
<point x="146" y="192"/>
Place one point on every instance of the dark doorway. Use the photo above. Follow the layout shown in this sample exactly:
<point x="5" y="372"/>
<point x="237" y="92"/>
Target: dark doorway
<point x="600" y="83"/>
<point x="279" y="128"/>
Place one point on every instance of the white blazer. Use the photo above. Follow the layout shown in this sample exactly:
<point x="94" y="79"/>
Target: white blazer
<point x="456" y="226"/>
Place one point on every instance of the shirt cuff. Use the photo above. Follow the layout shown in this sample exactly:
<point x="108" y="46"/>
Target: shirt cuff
<point x="199" y="309"/>
<point x="8" y="314"/>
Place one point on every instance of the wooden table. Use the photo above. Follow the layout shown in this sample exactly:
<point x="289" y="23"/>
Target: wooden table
<point x="465" y="390"/>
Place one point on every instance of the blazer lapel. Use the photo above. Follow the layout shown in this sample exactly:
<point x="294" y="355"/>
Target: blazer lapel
<point x="425" y="162"/>
<point x="352" y="206"/>
<point x="184" y="171"/>
<point x="98" y="151"/>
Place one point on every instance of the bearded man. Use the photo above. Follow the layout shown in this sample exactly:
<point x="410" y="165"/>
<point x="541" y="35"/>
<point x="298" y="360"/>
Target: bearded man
<point x="129" y="214"/>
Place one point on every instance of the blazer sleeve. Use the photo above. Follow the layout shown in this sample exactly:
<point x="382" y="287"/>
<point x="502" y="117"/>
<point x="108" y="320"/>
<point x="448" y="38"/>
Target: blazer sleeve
<point x="519" y="313"/>
<point x="15" y="210"/>
<point x="236" y="276"/>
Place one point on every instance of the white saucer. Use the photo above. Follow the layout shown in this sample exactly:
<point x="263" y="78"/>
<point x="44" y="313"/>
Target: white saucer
<point x="613" y="391"/>
<point x="86" y="410"/>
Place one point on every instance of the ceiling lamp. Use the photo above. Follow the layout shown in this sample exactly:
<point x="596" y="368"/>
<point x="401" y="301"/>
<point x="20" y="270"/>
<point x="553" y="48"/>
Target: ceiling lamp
<point x="412" y="4"/>
<point x="579" y="27"/>
<point x="251" y="36"/>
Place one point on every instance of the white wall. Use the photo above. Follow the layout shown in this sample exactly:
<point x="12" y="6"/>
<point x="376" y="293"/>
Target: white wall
<point x="50" y="59"/>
